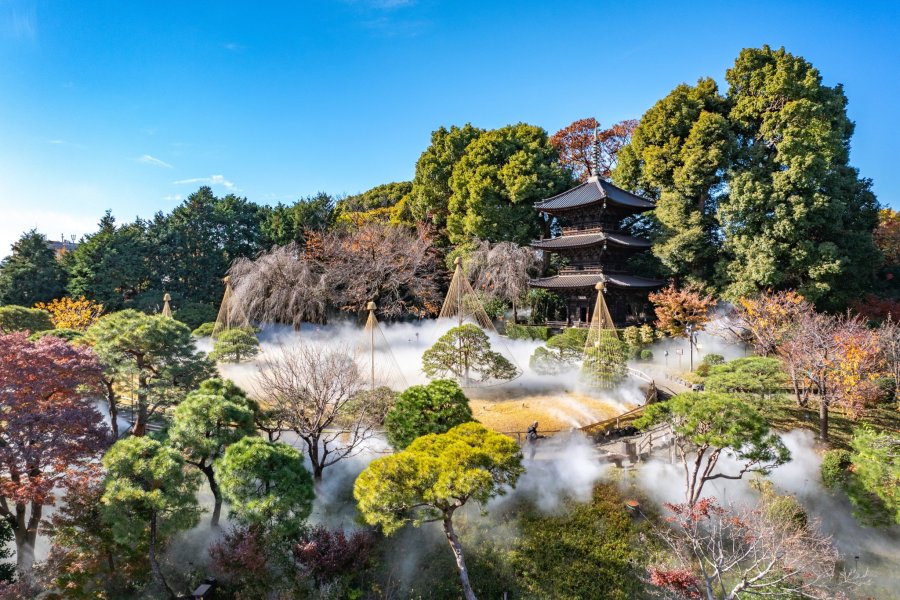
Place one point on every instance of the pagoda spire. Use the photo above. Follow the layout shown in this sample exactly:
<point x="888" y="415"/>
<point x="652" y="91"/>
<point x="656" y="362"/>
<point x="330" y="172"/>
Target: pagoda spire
<point x="595" y="159"/>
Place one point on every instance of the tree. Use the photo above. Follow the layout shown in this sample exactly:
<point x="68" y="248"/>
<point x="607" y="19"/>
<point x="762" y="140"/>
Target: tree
<point x="889" y="344"/>
<point x="325" y="555"/>
<point x="234" y="345"/>
<point x="561" y="354"/>
<point x="676" y="309"/>
<point x="152" y="357"/>
<point x="7" y="570"/>
<point x="150" y="495"/>
<point x="797" y="215"/>
<point x="282" y="225"/>
<point x="502" y="270"/>
<point x="678" y="155"/>
<point x="575" y="144"/>
<point x="315" y="392"/>
<point x="876" y="466"/>
<point x="18" y="318"/>
<point x="391" y="264"/>
<point x="887" y="235"/>
<point x="770" y="317"/>
<point x="704" y="425"/>
<point x="756" y="375"/>
<point x="266" y="485"/>
<point x="423" y="409"/>
<point x="208" y="420"/>
<point x="497" y="181"/>
<point x="31" y="273"/>
<point x="730" y="553"/>
<point x="71" y="313"/>
<point x="465" y="353"/>
<point x="49" y="427"/>
<point x="110" y="266"/>
<point x="433" y="477"/>
<point x="431" y="191"/>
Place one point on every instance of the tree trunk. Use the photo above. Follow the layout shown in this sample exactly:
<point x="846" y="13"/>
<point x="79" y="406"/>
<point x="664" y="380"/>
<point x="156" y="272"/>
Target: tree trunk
<point x="26" y="535"/>
<point x="140" y="423"/>
<point x="113" y="408"/>
<point x="823" y="419"/>
<point x="515" y="314"/>
<point x="154" y="564"/>
<point x="216" y="492"/>
<point x="460" y="560"/>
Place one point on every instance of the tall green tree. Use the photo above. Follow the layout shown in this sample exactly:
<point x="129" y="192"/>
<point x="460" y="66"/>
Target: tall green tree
<point x="678" y="155"/>
<point x="496" y="182"/>
<point x="797" y="215"/>
<point x="150" y="495"/>
<point x="283" y="224"/>
<point x="434" y="477"/>
<point x="423" y="409"/>
<point x="152" y="357"/>
<point x="465" y="353"/>
<point x="431" y="191"/>
<point x="211" y="418"/>
<point x="110" y="266"/>
<point x="31" y="273"/>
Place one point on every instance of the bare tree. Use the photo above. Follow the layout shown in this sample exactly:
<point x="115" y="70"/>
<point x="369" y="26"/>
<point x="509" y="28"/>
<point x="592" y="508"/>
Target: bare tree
<point x="315" y="391"/>
<point x="731" y="553"/>
<point x="889" y="344"/>
<point x="770" y="318"/>
<point x="284" y="285"/>
<point x="392" y="264"/>
<point x="502" y="270"/>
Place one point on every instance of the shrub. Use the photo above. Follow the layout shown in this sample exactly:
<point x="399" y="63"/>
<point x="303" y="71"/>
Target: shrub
<point x="63" y="334"/>
<point x="527" y="332"/>
<point x="888" y="388"/>
<point x="19" y="318"/>
<point x="423" y="409"/>
<point x="234" y="345"/>
<point x="753" y="375"/>
<point x="561" y="353"/>
<point x="713" y="359"/>
<point x="835" y="468"/>
<point x="646" y="355"/>
<point x="204" y="330"/>
<point x="325" y="555"/>
<point x="194" y="314"/>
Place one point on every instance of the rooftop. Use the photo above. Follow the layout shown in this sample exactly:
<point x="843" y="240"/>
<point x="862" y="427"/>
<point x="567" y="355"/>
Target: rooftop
<point x="594" y="191"/>
<point x="589" y="280"/>
<point x="582" y="240"/>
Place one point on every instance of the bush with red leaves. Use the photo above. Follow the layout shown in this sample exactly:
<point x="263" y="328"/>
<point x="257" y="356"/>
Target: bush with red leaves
<point x="241" y="559"/>
<point x="325" y="555"/>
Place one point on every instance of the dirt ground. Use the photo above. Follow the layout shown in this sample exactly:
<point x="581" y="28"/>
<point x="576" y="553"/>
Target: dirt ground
<point x="558" y="410"/>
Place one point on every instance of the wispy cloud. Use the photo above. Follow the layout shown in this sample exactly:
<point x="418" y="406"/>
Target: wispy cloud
<point x="211" y="180"/>
<point x="233" y="46"/>
<point x="173" y="198"/>
<point x="151" y="160"/>
<point x="21" y="24"/>
<point x="61" y="142"/>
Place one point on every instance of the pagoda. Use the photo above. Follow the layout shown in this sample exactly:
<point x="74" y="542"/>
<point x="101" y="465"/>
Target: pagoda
<point x="597" y="247"/>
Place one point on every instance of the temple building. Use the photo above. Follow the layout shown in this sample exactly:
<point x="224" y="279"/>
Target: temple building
<point x="597" y="248"/>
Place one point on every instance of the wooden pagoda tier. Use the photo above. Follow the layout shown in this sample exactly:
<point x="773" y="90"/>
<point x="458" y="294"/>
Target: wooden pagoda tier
<point x="597" y="249"/>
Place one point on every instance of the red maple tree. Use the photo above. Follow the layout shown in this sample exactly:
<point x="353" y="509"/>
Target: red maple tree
<point x="575" y="145"/>
<point x="50" y="426"/>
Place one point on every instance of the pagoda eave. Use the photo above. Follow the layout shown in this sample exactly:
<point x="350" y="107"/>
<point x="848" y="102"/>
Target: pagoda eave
<point x="587" y="240"/>
<point x="587" y="281"/>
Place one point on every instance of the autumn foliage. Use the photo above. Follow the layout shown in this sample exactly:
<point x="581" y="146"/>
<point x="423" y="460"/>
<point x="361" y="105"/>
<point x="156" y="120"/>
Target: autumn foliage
<point x="72" y="313"/>
<point x="678" y="308"/>
<point x="770" y="317"/>
<point x="575" y="145"/>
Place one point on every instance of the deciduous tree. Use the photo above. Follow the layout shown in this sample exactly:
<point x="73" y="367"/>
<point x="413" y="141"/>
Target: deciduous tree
<point x="502" y="270"/>
<point x="575" y="144"/>
<point x="706" y="425"/>
<point x="770" y="317"/>
<point x="49" y="427"/>
<point x="435" y="476"/>
<point x="676" y="309"/>
<point x="208" y="420"/>
<point x="72" y="313"/>
<point x="423" y="409"/>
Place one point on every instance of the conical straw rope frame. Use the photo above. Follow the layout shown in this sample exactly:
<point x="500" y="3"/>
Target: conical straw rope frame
<point x="231" y="315"/>
<point x="375" y="358"/>
<point x="604" y="357"/>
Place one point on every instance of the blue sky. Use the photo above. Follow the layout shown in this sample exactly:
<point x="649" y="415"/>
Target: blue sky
<point x="132" y="105"/>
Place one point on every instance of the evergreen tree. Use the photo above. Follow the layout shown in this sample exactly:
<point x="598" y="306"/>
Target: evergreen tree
<point x="31" y="273"/>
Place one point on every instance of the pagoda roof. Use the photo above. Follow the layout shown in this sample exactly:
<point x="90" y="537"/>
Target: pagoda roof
<point x="582" y="240"/>
<point x="594" y="191"/>
<point x="589" y="280"/>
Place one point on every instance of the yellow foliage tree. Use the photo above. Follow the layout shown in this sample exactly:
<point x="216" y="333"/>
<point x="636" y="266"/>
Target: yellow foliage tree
<point x="72" y="313"/>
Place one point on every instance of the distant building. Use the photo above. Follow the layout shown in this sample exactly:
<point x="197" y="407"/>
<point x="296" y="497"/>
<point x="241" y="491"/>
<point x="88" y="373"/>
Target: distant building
<point x="63" y="245"/>
<point x="593" y="240"/>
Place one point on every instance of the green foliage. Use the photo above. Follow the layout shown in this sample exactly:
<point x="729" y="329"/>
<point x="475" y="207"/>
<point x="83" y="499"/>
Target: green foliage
<point x="435" y="475"/>
<point x="7" y="569"/>
<point x="204" y="330"/>
<point x="493" y="306"/>
<point x="194" y="314"/>
<point x="605" y="363"/>
<point x="285" y="224"/>
<point x="527" y="332"/>
<point x="68" y="335"/>
<point x="31" y="274"/>
<point x="110" y="266"/>
<point x="147" y="481"/>
<point x="835" y="467"/>
<point x="888" y="388"/>
<point x="234" y="345"/>
<point x="431" y="191"/>
<point x="876" y="462"/>
<point x="380" y="196"/>
<point x="752" y="375"/>
<point x="19" y="318"/>
<point x="646" y="355"/>
<point x="266" y="484"/>
<point x="544" y="304"/>
<point x="465" y="353"/>
<point x="713" y="360"/>
<point x="562" y="352"/>
<point x="423" y="409"/>
<point x="496" y="182"/>
<point x="586" y="551"/>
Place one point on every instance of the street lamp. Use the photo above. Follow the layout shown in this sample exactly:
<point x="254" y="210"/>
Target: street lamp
<point x="690" y="331"/>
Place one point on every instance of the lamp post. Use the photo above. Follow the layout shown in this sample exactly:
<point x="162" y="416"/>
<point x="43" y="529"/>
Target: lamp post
<point x="690" y="331"/>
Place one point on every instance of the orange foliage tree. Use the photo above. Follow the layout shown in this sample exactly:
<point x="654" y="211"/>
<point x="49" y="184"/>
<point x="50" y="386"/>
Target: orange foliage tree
<point x="770" y="317"/>
<point x="575" y="145"/>
<point x="72" y="313"/>
<point x="887" y="235"/>
<point x="678" y="308"/>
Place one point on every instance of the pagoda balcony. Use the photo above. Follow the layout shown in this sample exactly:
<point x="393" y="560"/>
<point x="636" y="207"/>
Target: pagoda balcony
<point x="588" y="228"/>
<point x="591" y="268"/>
